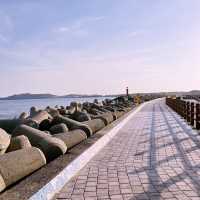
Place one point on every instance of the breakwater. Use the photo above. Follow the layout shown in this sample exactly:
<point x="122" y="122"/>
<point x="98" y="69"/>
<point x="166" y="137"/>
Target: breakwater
<point x="12" y="108"/>
<point x="35" y="139"/>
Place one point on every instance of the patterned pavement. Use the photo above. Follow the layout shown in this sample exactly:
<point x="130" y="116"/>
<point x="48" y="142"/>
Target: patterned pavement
<point x="155" y="156"/>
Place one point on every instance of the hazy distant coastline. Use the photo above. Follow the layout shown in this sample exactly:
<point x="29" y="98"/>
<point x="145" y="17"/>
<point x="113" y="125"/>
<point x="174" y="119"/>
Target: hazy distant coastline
<point x="49" y="96"/>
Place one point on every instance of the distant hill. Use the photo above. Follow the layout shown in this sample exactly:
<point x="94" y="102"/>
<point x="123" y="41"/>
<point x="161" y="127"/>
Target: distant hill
<point x="45" y="96"/>
<point x="80" y="95"/>
<point x="28" y="96"/>
<point x="194" y="92"/>
<point x="178" y="93"/>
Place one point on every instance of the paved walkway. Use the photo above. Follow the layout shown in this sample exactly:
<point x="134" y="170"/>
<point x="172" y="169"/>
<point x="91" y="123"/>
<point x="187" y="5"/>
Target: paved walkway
<point x="155" y="156"/>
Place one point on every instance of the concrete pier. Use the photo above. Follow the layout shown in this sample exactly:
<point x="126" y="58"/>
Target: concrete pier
<point x="156" y="155"/>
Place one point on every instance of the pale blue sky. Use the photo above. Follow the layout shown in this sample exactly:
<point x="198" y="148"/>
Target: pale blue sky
<point x="99" y="46"/>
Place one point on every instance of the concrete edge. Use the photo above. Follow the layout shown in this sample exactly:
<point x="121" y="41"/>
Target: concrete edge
<point x="56" y="184"/>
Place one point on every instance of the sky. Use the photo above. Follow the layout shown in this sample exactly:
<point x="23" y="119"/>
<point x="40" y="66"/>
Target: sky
<point x="99" y="46"/>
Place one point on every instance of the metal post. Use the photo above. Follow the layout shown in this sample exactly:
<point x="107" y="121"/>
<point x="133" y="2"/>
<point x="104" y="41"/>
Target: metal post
<point x="188" y="111"/>
<point x="192" y="114"/>
<point x="198" y="116"/>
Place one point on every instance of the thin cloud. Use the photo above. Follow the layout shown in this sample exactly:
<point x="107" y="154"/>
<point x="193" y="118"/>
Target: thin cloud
<point x="6" y="22"/>
<point x="93" y="19"/>
<point x="6" y="27"/>
<point x="79" y="25"/>
<point x="135" y="33"/>
<point x="63" y="29"/>
<point x="3" y="38"/>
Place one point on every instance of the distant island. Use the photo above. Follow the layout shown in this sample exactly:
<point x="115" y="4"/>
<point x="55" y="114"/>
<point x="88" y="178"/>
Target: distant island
<point x="45" y="96"/>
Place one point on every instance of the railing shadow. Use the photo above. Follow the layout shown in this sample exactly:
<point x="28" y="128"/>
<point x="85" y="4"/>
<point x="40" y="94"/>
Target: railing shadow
<point x="153" y="163"/>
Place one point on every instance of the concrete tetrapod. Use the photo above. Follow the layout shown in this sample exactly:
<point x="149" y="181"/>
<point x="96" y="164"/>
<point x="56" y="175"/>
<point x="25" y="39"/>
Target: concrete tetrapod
<point x="96" y="111"/>
<point x="72" y="124"/>
<point x="114" y="116"/>
<point x="19" y="142"/>
<point x="40" y="116"/>
<point x="9" y="124"/>
<point x="52" y="111"/>
<point x="51" y="147"/>
<point x="23" y="116"/>
<point x="95" y="124"/>
<point x="18" y="164"/>
<point x="118" y="114"/>
<point x="59" y="128"/>
<point x="45" y="125"/>
<point x="4" y="141"/>
<point x="106" y="117"/>
<point x="81" y="116"/>
<point x="72" y="138"/>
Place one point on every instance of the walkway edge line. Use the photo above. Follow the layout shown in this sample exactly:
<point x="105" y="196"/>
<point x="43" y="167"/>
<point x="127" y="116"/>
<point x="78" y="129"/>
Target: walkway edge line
<point x="48" y="191"/>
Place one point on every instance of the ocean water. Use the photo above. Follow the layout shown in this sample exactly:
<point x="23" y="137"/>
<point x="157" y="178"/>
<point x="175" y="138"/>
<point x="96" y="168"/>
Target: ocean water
<point x="13" y="108"/>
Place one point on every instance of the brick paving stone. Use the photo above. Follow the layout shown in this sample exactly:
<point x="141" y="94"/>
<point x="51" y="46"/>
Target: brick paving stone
<point x="90" y="198"/>
<point x="156" y="155"/>
<point x="102" y="185"/>
<point x="102" y="192"/>
<point x="77" y="197"/>
<point x="90" y="189"/>
<point x="116" y="197"/>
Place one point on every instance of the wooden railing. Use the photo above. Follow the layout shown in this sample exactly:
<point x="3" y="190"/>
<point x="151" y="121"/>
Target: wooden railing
<point x="190" y="111"/>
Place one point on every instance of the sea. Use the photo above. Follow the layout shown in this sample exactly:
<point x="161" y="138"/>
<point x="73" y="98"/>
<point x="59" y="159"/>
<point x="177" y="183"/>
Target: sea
<point x="13" y="108"/>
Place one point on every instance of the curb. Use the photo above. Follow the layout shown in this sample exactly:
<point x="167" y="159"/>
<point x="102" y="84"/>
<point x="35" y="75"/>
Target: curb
<point x="56" y="184"/>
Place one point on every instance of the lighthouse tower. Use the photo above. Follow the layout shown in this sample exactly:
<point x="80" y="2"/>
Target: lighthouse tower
<point x="127" y="92"/>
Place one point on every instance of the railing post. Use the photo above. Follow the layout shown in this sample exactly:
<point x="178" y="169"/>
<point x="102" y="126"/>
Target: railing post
<point x="192" y="114"/>
<point x="188" y="111"/>
<point x="184" y="110"/>
<point x="198" y="116"/>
